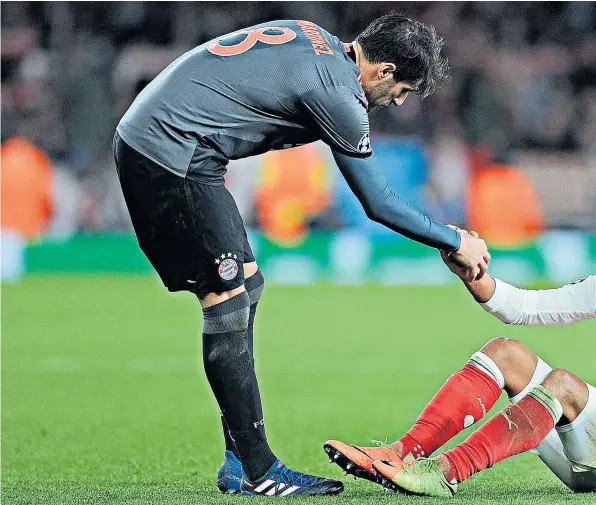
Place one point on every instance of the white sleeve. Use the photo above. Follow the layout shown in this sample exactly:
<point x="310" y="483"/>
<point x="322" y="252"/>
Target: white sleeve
<point x="547" y="307"/>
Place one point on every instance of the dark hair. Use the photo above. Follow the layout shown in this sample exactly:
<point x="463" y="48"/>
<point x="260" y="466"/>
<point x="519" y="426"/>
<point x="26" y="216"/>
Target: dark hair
<point x="414" y="48"/>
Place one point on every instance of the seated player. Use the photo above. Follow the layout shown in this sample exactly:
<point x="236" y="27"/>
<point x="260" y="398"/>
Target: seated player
<point x="553" y="412"/>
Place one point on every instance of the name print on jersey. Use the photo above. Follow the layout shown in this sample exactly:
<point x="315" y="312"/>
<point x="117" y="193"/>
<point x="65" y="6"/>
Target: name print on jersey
<point x="318" y="42"/>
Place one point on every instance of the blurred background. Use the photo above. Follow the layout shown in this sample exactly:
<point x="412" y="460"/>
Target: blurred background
<point x="508" y="147"/>
<point x="103" y="394"/>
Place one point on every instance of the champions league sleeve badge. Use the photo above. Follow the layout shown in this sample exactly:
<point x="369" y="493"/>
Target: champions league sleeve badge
<point x="228" y="266"/>
<point x="364" y="144"/>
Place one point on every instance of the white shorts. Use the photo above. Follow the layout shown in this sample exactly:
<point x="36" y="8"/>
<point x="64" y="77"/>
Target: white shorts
<point x="569" y="451"/>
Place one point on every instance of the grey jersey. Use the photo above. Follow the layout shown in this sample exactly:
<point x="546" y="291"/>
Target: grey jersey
<point x="271" y="86"/>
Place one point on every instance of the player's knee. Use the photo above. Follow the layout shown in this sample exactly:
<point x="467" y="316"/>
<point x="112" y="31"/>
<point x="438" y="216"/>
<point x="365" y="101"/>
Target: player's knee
<point x="504" y="351"/>
<point x="250" y="269"/>
<point x="211" y="299"/>
<point x="228" y="316"/>
<point x="255" y="284"/>
<point x="562" y="383"/>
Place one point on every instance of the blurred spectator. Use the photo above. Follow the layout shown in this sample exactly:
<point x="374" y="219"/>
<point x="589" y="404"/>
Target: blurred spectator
<point x="503" y="207"/>
<point x="294" y="189"/>
<point x="26" y="188"/>
<point x="26" y="201"/>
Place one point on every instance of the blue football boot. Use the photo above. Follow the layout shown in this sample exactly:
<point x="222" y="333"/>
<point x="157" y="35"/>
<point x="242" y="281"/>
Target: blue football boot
<point x="229" y="474"/>
<point x="281" y="481"/>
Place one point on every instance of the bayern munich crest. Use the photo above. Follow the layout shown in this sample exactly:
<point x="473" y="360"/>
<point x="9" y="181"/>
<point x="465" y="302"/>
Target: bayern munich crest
<point x="228" y="267"/>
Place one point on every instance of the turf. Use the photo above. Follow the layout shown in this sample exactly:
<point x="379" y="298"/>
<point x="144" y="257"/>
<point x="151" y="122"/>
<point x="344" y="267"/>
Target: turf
<point x="104" y="399"/>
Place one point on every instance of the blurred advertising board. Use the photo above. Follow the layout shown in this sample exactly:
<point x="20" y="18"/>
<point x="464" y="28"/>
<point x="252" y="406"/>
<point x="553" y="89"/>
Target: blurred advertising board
<point x="342" y="257"/>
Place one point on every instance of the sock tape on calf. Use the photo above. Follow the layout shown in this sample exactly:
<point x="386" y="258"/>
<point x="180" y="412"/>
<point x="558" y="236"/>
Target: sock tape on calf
<point x="231" y="315"/>
<point x="254" y="286"/>
<point x="488" y="366"/>
<point x="548" y="400"/>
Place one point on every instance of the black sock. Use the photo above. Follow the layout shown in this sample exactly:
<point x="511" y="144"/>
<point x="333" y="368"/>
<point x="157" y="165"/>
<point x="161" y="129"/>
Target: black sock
<point x="230" y="373"/>
<point x="254" y="286"/>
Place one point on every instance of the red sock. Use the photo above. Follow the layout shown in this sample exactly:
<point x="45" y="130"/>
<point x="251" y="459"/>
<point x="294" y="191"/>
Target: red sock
<point x="465" y="398"/>
<point x="516" y="429"/>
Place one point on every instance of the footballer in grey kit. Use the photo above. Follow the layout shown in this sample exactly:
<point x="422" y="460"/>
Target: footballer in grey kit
<point x="271" y="86"/>
<point x="266" y="88"/>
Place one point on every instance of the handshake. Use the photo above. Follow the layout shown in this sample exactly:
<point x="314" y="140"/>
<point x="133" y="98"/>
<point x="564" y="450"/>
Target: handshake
<point x="470" y="261"/>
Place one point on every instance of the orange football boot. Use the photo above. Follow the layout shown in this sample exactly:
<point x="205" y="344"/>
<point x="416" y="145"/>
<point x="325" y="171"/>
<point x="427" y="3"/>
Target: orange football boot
<point x="358" y="461"/>
<point x="421" y="478"/>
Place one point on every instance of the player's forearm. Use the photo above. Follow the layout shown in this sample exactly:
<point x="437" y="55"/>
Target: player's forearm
<point x="385" y="207"/>
<point x="482" y="290"/>
<point x="547" y="307"/>
<point x="390" y="210"/>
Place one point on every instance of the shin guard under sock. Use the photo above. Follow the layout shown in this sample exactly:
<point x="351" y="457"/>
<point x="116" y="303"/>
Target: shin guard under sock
<point x="464" y="399"/>
<point x="516" y="429"/>
<point x="230" y="373"/>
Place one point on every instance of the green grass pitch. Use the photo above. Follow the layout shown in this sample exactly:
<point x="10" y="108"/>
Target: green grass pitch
<point x="104" y="399"/>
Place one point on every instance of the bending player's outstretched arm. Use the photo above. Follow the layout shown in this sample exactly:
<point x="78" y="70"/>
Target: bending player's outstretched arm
<point x="384" y="206"/>
<point x="340" y="114"/>
<point x="547" y="307"/>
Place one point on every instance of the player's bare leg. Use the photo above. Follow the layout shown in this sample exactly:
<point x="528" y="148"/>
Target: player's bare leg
<point x="250" y="269"/>
<point x="516" y="429"/>
<point x="249" y="466"/>
<point x="211" y="299"/>
<point x="571" y="391"/>
<point x="229" y="474"/>
<point x="569" y="450"/>
<point x="230" y="373"/>
<point x="468" y="395"/>
<point x="214" y="298"/>
<point x="515" y="361"/>
<point x="244" y="443"/>
<point x="464" y="399"/>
